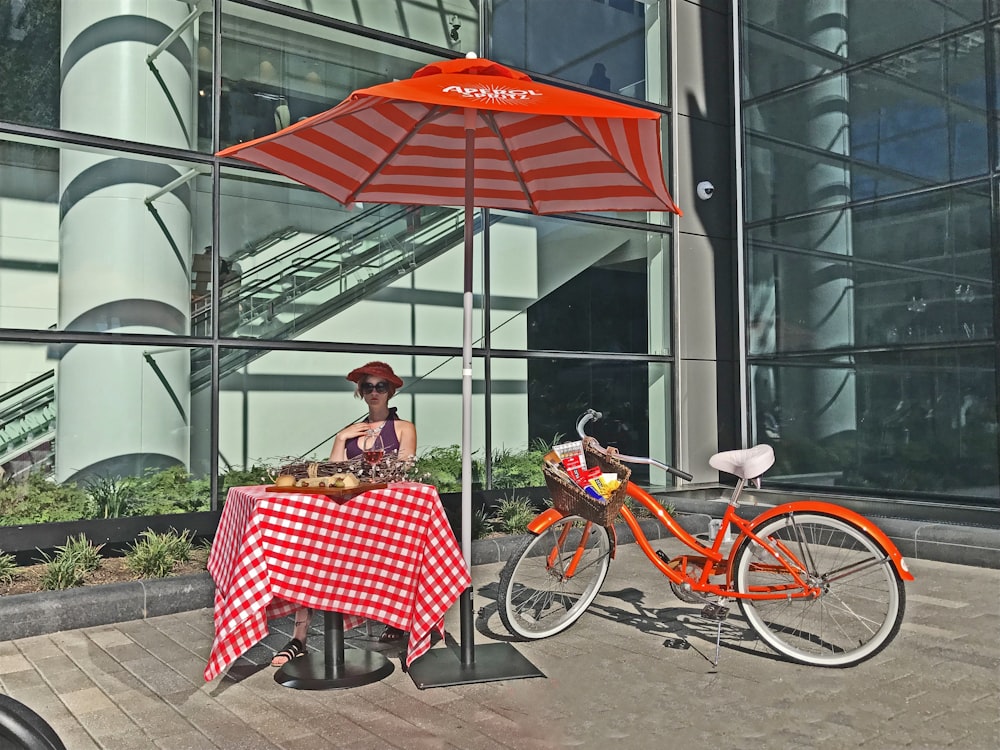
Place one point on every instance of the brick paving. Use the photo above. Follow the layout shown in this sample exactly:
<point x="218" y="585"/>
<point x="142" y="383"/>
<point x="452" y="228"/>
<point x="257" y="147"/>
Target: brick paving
<point x="635" y="672"/>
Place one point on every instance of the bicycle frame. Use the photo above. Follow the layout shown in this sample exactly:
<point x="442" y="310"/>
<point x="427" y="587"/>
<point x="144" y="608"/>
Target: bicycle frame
<point x="710" y="559"/>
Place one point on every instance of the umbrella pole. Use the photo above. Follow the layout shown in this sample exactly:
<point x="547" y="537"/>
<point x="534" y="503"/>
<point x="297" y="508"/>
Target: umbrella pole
<point x="468" y="640"/>
<point x="498" y="661"/>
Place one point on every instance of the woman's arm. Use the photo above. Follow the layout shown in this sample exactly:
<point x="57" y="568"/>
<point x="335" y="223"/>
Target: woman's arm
<point x="406" y="433"/>
<point x="354" y="430"/>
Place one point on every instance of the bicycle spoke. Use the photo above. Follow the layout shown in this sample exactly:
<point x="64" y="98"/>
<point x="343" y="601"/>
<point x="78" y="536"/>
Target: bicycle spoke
<point x="538" y="596"/>
<point x="858" y="603"/>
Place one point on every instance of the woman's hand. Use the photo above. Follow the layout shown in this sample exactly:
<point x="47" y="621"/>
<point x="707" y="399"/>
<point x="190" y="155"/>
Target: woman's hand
<point x="354" y="430"/>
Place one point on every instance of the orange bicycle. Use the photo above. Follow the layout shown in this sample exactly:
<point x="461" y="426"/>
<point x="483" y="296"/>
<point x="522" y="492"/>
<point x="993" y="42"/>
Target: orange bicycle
<point x="818" y="583"/>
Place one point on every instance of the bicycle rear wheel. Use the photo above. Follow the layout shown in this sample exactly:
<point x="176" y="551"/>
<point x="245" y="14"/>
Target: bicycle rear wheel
<point x="551" y="579"/>
<point x="861" y="604"/>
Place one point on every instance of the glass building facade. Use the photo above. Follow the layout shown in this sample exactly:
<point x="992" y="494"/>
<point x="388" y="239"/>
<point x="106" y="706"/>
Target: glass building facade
<point x="169" y="315"/>
<point x="870" y="237"/>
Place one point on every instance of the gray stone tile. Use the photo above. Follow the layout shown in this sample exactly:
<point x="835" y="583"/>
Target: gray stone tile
<point x="190" y="740"/>
<point x="89" y="700"/>
<point x="78" y="739"/>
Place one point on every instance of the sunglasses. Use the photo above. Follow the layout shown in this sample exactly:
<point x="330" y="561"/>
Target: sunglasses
<point x="381" y="387"/>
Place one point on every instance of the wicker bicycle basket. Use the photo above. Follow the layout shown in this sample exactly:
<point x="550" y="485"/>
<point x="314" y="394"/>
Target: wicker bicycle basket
<point x="570" y="499"/>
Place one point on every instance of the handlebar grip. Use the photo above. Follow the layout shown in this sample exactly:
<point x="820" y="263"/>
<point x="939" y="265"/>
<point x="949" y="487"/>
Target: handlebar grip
<point x="681" y="474"/>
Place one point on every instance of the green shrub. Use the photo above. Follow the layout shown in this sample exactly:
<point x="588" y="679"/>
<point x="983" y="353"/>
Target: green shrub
<point x="38" y="499"/>
<point x="256" y="474"/>
<point x="482" y="525"/>
<point x="171" y="490"/>
<point x="61" y="571"/>
<point x="82" y="552"/>
<point x="110" y="496"/>
<point x="155" y="555"/>
<point x="7" y="568"/>
<point x="513" y="515"/>
<point x="442" y="467"/>
<point x="516" y="469"/>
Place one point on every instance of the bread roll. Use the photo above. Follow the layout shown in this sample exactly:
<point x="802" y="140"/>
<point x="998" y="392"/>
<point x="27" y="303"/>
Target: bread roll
<point x="285" y="480"/>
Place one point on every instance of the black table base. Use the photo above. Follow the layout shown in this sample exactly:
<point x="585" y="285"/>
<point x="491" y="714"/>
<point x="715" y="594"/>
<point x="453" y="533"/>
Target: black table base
<point x="336" y="667"/>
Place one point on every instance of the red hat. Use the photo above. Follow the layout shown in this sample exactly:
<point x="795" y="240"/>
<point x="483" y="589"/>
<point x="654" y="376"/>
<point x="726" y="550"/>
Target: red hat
<point x="376" y="370"/>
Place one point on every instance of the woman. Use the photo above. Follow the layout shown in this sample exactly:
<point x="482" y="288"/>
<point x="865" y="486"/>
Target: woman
<point x="376" y="383"/>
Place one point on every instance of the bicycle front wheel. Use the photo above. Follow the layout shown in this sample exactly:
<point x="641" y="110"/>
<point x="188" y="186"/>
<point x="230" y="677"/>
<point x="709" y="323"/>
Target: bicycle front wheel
<point x="551" y="579"/>
<point x="861" y="601"/>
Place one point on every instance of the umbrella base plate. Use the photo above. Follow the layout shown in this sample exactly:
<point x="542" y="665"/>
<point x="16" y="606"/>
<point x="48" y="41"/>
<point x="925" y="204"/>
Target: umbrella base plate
<point x="442" y="667"/>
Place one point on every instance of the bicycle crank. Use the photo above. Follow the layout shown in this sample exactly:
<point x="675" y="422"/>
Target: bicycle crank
<point x="683" y="591"/>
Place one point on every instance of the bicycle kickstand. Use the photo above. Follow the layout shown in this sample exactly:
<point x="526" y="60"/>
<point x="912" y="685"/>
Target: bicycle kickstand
<point x="716" y="613"/>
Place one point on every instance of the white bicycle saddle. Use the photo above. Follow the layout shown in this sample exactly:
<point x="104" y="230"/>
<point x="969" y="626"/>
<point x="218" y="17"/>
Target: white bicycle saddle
<point x="749" y="463"/>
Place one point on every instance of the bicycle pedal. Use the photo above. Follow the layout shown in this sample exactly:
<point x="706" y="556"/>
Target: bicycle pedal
<point x="715" y="612"/>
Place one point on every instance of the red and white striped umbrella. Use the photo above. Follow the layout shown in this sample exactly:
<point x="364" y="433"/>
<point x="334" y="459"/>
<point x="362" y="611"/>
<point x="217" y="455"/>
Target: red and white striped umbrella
<point x="538" y="148"/>
<point x="476" y="133"/>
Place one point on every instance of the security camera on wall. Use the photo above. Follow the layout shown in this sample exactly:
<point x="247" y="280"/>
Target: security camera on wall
<point x="705" y="190"/>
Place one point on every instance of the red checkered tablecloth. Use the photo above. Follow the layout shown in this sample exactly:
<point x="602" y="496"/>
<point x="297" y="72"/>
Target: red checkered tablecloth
<point x="386" y="555"/>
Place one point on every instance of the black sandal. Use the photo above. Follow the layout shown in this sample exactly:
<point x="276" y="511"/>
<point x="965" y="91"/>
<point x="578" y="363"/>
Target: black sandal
<point x="391" y="635"/>
<point x="292" y="650"/>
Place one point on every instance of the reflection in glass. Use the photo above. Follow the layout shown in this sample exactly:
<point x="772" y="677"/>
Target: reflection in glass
<point x="600" y="45"/>
<point x="789" y="42"/>
<point x="277" y="407"/>
<point x="567" y="285"/>
<point x="310" y="268"/>
<point x="97" y="240"/>
<point x="450" y="24"/>
<point x="278" y="70"/>
<point x="100" y="430"/>
<point x="915" y="269"/>
<point x="633" y="397"/>
<point x="924" y="422"/>
<point x="900" y="124"/>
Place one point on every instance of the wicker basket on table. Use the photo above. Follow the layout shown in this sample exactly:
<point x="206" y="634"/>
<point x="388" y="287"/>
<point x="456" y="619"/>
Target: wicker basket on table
<point x="571" y="500"/>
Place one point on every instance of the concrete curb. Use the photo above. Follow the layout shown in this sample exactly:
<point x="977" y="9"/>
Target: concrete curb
<point x="26" y="615"/>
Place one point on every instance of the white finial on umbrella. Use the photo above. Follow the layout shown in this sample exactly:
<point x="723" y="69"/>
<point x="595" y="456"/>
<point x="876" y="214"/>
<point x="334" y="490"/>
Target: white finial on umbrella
<point x="471" y="55"/>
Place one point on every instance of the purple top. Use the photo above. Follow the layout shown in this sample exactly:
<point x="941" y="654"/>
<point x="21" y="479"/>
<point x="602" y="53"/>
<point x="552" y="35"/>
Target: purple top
<point x="389" y="440"/>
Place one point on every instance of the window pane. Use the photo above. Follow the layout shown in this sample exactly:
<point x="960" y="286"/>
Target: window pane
<point x="278" y="407"/>
<point x="915" y="422"/>
<point x="595" y="44"/>
<point x="913" y="270"/>
<point x="451" y="24"/>
<point x="102" y="430"/>
<point x="568" y="285"/>
<point x="788" y="42"/>
<point x="89" y="240"/>
<point x="83" y="67"/>
<point x="634" y="398"/>
<point x="311" y="269"/>
<point x="277" y="70"/>
<point x="905" y="122"/>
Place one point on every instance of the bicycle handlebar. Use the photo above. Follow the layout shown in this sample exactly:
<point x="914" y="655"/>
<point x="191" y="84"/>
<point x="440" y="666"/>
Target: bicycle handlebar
<point x="592" y="416"/>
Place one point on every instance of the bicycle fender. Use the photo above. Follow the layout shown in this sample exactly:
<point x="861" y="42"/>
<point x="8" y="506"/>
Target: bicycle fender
<point x="543" y="520"/>
<point x="548" y="517"/>
<point x="848" y="516"/>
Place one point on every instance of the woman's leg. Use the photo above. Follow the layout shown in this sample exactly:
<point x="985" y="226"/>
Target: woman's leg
<point x="297" y="646"/>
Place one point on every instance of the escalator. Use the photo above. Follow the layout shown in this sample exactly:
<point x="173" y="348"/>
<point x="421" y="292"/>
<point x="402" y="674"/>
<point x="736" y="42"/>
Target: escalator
<point x="310" y="283"/>
<point x="27" y="427"/>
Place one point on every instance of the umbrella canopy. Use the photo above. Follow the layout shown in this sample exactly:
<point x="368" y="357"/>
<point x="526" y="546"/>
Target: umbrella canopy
<point x="538" y="148"/>
<point x="473" y="132"/>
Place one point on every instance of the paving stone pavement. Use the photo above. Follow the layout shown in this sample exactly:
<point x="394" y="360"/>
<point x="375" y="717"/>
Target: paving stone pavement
<point x="635" y="672"/>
